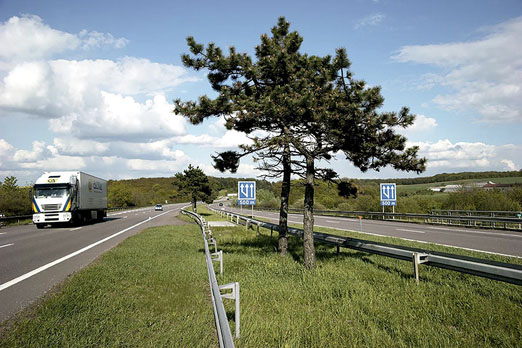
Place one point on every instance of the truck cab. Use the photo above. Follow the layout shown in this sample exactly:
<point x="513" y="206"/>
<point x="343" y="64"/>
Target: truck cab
<point x="66" y="197"/>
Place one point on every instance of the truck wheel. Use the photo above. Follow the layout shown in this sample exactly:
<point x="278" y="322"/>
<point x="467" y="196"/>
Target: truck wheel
<point x="39" y="226"/>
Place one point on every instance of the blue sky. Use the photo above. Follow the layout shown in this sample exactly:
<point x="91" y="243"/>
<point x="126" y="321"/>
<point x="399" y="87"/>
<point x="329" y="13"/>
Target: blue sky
<point x="89" y="85"/>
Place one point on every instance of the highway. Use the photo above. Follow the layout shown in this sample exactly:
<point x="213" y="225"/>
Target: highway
<point x="491" y="241"/>
<point x="33" y="260"/>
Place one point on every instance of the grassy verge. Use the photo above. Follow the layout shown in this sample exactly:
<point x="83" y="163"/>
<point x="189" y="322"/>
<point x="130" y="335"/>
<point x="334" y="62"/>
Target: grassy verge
<point x="151" y="291"/>
<point x="361" y="300"/>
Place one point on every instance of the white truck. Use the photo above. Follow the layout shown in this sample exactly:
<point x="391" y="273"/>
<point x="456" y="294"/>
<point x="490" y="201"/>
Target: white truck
<point x="68" y="197"/>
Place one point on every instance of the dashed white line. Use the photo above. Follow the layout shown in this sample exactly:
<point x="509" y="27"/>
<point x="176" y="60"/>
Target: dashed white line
<point x="75" y="229"/>
<point x="6" y="245"/>
<point x="2" y="232"/>
<point x="333" y="222"/>
<point x="407" y="230"/>
<point x="477" y="232"/>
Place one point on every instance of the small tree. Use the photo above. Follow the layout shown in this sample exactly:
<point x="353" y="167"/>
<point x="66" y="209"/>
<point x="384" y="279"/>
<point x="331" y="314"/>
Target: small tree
<point x="194" y="183"/>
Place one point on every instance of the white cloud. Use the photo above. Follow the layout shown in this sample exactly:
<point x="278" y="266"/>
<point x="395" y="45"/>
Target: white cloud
<point x="56" y="88"/>
<point x="485" y="74"/>
<point x="510" y="165"/>
<point x="80" y="147"/>
<point x="28" y="38"/>
<point x="96" y="39"/>
<point x="371" y="20"/>
<point x="32" y="155"/>
<point x="422" y="124"/>
<point x="469" y="156"/>
<point x="122" y="118"/>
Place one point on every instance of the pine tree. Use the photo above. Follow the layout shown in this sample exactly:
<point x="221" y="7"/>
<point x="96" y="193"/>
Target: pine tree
<point x="194" y="183"/>
<point x="309" y="108"/>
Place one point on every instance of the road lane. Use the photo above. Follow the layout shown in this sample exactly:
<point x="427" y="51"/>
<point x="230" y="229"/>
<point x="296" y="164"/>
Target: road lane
<point x="35" y="248"/>
<point x="490" y="241"/>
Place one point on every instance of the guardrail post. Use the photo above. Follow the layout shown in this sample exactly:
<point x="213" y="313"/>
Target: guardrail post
<point x="418" y="258"/>
<point x="237" y="220"/>
<point x="234" y="295"/>
<point x="247" y="222"/>
<point x="213" y="241"/>
<point x="218" y="256"/>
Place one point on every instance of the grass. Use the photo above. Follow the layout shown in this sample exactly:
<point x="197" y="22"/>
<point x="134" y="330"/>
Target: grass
<point x="151" y="291"/>
<point x="361" y="300"/>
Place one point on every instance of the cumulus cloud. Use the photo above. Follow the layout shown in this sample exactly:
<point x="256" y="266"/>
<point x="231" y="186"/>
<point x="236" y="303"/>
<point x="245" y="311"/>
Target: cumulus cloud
<point x="469" y="156"/>
<point x="122" y="118"/>
<point x="28" y="38"/>
<point x="485" y="74"/>
<point x="422" y="124"/>
<point x="58" y="88"/>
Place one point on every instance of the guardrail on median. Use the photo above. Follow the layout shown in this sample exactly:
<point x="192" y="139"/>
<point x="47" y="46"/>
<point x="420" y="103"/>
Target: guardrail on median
<point x="220" y="316"/>
<point x="505" y="272"/>
<point x="507" y="223"/>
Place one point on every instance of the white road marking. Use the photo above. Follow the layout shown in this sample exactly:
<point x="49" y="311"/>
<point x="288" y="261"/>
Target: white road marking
<point x="75" y="229"/>
<point x="406" y="230"/>
<point x="2" y="232"/>
<point x="6" y="245"/>
<point x="125" y="217"/>
<point x="477" y="232"/>
<point x="333" y="222"/>
<point x="62" y="259"/>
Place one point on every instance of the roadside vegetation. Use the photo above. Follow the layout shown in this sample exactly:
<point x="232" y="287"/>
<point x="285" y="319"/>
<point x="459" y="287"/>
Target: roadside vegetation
<point x="150" y="291"/>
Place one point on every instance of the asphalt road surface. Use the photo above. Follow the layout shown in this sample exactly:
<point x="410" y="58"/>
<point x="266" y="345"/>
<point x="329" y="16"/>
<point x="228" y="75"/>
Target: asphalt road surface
<point x="33" y="260"/>
<point x="492" y="241"/>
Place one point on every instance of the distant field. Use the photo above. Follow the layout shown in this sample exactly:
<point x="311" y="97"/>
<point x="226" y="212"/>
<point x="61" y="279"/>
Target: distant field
<point x="425" y="187"/>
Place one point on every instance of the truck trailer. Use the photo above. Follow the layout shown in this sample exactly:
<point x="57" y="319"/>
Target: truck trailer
<point x="68" y="197"/>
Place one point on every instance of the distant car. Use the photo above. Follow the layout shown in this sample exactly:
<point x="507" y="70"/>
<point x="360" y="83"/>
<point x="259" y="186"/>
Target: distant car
<point x="158" y="207"/>
<point x="220" y="204"/>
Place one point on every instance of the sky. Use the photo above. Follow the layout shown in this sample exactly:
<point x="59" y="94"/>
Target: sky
<point x="89" y="85"/>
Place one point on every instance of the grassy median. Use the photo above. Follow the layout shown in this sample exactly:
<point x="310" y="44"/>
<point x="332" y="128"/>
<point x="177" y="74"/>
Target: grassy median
<point x="150" y="291"/>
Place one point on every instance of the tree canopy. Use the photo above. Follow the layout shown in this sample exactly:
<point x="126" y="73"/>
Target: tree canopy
<point x="306" y="107"/>
<point x="194" y="183"/>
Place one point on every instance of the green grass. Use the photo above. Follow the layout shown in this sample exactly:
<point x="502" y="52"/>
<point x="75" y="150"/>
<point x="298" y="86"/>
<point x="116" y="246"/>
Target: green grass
<point x="362" y="300"/>
<point x="151" y="291"/>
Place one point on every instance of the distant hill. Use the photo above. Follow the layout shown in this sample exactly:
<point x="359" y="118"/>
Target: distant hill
<point x="446" y="177"/>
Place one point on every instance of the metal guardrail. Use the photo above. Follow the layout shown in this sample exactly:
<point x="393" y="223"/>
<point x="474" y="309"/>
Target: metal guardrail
<point x="511" y="223"/>
<point x="505" y="272"/>
<point x="220" y="316"/>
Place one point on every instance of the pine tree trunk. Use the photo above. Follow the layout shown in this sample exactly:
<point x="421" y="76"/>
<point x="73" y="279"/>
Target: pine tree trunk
<point x="194" y="209"/>
<point x="283" y="211"/>
<point x="308" y="219"/>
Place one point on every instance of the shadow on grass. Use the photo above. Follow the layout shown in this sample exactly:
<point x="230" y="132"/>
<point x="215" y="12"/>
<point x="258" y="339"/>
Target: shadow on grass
<point x="266" y="245"/>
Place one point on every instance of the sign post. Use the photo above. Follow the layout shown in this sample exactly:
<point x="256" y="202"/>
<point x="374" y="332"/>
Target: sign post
<point x="388" y="196"/>
<point x="246" y="194"/>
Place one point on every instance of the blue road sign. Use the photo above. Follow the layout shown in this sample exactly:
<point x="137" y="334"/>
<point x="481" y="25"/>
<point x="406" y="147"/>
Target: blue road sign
<point x="388" y="194"/>
<point x="246" y="193"/>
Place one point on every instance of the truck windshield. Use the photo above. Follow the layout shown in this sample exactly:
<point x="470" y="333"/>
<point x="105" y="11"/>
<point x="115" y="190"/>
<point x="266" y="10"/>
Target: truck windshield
<point x="52" y="192"/>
